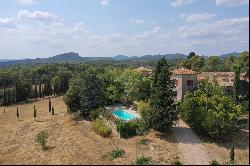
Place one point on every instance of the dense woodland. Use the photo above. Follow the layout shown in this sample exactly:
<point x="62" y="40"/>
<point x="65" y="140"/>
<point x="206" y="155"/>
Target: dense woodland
<point x="20" y="83"/>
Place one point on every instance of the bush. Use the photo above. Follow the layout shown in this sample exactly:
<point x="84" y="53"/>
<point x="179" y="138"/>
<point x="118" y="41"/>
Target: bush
<point x="41" y="138"/>
<point x="214" y="162"/>
<point x="107" y="115"/>
<point x="116" y="154"/>
<point x="177" y="162"/>
<point x="143" y="160"/>
<point x="143" y="141"/>
<point x="96" y="113"/>
<point x="100" y="128"/>
<point x="126" y="129"/>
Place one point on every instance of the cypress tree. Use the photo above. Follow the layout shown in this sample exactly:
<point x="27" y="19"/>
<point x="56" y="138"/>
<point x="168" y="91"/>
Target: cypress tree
<point x="9" y="97"/>
<point x="232" y="154"/>
<point x="53" y="111"/>
<point x="237" y="83"/>
<point x="163" y="112"/>
<point x="49" y="105"/>
<point x="17" y="113"/>
<point x="40" y="90"/>
<point x="36" y="95"/>
<point x="4" y="97"/>
<point x="34" y="111"/>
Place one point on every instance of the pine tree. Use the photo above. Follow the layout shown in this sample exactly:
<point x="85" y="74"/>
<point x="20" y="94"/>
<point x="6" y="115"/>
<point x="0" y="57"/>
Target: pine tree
<point x="34" y="111"/>
<point x="162" y="113"/>
<point x="53" y="111"/>
<point x="49" y="105"/>
<point x="17" y="113"/>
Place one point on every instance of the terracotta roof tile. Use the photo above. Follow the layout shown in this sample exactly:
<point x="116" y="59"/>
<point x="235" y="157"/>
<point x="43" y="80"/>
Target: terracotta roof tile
<point x="184" y="71"/>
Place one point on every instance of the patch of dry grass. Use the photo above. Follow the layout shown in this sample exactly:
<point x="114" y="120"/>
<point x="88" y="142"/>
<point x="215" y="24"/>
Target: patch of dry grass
<point x="220" y="151"/>
<point x="70" y="142"/>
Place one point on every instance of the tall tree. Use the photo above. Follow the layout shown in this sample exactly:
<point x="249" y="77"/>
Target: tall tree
<point x="163" y="112"/>
<point x="237" y="83"/>
<point x="191" y="55"/>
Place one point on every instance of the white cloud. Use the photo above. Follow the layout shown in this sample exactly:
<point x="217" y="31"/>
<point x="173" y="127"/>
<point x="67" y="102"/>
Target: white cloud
<point x="27" y="2"/>
<point x="36" y="15"/>
<point x="200" y="17"/>
<point x="105" y="2"/>
<point x="137" y="21"/>
<point x="177" y="3"/>
<point x="6" y="21"/>
<point x="231" y="3"/>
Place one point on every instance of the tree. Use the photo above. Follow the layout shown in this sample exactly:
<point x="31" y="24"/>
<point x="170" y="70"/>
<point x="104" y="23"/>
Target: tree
<point x="209" y="111"/>
<point x="17" y="113"/>
<point x="53" y="111"/>
<point x="49" y="105"/>
<point x="72" y="97"/>
<point x="92" y="95"/>
<point x="85" y="94"/>
<point x="237" y="84"/>
<point x="40" y="90"/>
<point x="162" y="112"/>
<point x="232" y="154"/>
<point x="191" y="55"/>
<point x="36" y="95"/>
<point x="34" y="111"/>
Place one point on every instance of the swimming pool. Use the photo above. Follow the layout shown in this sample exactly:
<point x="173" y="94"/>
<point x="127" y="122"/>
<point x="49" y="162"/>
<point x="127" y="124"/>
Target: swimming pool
<point x="123" y="115"/>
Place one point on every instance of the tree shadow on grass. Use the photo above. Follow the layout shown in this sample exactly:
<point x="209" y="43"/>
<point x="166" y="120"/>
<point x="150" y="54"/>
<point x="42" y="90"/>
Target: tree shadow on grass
<point x="239" y="139"/>
<point x="167" y="136"/>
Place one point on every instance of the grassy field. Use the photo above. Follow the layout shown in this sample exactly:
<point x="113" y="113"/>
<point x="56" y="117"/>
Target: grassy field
<point x="70" y="142"/>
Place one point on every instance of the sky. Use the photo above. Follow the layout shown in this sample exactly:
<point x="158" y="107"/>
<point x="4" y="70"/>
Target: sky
<point x="98" y="28"/>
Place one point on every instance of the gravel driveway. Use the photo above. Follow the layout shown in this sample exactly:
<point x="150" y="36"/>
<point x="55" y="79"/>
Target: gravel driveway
<point x="189" y="144"/>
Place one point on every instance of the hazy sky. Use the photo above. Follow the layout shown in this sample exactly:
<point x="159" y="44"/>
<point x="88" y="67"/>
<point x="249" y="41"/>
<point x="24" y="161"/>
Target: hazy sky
<point x="43" y="28"/>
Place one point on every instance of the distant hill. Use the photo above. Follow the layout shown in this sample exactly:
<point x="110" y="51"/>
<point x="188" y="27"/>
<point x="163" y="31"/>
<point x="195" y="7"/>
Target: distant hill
<point x="230" y="54"/>
<point x="6" y="60"/>
<point x="150" y="57"/>
<point x="75" y="57"/>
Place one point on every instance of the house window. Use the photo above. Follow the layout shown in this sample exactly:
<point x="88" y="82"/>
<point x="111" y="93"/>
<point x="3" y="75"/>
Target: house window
<point x="176" y="83"/>
<point x="190" y="82"/>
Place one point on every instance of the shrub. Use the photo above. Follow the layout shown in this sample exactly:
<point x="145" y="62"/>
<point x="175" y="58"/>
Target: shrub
<point x="214" y="162"/>
<point x="143" y="141"/>
<point x="142" y="127"/>
<point x="41" y="138"/>
<point x="116" y="154"/>
<point x="126" y="129"/>
<point x="177" y="162"/>
<point x="143" y="160"/>
<point x="107" y="115"/>
<point x="100" y="128"/>
<point x="97" y="112"/>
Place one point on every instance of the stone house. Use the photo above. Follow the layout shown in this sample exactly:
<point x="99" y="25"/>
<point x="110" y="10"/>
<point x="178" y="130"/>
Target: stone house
<point x="185" y="80"/>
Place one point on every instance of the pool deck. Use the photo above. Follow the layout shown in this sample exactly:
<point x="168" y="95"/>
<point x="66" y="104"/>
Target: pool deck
<point x="129" y="110"/>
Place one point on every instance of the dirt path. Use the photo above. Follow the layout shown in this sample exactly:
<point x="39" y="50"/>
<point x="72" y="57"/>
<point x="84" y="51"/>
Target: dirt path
<point x="189" y="144"/>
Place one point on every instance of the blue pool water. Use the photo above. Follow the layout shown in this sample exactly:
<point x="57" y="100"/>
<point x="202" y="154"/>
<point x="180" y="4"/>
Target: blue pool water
<point x="123" y="115"/>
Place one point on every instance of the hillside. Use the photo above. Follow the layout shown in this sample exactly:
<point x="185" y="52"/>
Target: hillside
<point x="75" y="57"/>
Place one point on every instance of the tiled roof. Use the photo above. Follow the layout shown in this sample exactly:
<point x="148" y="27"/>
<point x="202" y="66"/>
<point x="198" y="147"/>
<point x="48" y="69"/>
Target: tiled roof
<point x="184" y="71"/>
<point x="143" y="69"/>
